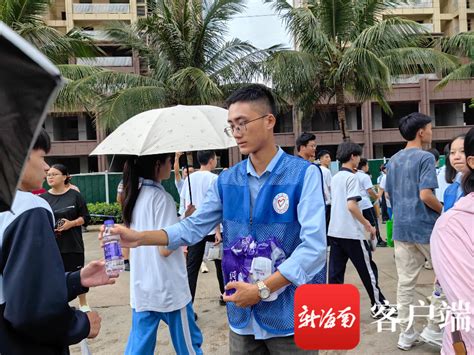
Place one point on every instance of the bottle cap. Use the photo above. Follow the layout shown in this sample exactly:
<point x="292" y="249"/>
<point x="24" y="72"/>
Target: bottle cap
<point x="109" y="222"/>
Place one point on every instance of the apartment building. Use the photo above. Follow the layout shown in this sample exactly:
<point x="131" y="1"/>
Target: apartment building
<point x="74" y="135"/>
<point x="368" y="124"/>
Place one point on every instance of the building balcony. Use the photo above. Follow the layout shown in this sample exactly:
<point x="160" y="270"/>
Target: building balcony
<point x="97" y="35"/>
<point x="72" y="148"/>
<point x="106" y="61"/>
<point x="101" y="8"/>
<point x="415" y="4"/>
<point x="413" y="79"/>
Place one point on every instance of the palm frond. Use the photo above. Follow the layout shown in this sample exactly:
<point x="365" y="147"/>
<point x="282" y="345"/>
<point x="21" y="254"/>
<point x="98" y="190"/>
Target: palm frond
<point x="391" y="33"/>
<point x="464" y="72"/>
<point x="115" y="109"/>
<point x="416" y="60"/>
<point x="193" y="86"/>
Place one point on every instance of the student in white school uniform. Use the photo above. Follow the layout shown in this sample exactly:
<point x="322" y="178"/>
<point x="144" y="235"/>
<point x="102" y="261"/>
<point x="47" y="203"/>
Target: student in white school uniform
<point x="366" y="193"/>
<point x="159" y="289"/>
<point x="347" y="229"/>
<point x="201" y="181"/>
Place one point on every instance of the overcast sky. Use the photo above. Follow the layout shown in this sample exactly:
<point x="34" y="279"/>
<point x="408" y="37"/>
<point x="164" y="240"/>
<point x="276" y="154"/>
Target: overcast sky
<point x="259" y="25"/>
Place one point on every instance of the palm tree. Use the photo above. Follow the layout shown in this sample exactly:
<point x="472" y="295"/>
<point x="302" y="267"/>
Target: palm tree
<point x="462" y="45"/>
<point x="26" y="18"/>
<point x="183" y="43"/>
<point x="345" y="48"/>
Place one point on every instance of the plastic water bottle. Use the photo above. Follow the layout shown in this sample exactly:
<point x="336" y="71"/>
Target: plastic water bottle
<point x="112" y="252"/>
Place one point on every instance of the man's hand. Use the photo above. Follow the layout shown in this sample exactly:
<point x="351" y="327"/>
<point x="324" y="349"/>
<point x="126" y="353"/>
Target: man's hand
<point x="218" y="238"/>
<point x="94" y="321"/>
<point x="128" y="237"/>
<point x="370" y="229"/>
<point x="93" y="274"/>
<point x="246" y="294"/>
<point x="189" y="211"/>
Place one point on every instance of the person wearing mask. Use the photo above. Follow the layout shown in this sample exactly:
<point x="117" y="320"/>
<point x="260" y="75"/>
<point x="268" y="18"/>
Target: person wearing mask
<point x="70" y="212"/>
<point x="452" y="250"/>
<point x="35" y="316"/>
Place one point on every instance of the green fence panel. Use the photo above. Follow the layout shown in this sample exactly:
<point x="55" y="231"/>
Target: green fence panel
<point x="114" y="180"/>
<point x="374" y="169"/>
<point x="92" y="187"/>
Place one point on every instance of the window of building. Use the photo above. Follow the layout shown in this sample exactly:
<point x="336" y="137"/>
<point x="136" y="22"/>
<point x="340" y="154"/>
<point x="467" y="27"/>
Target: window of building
<point x="141" y="11"/>
<point x="451" y="113"/>
<point x="284" y="121"/>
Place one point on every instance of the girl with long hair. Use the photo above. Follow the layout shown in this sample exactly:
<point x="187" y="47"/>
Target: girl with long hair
<point x="452" y="250"/>
<point x="456" y="163"/>
<point x="159" y="289"/>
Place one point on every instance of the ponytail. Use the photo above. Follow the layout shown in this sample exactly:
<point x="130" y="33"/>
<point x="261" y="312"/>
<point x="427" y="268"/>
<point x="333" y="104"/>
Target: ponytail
<point x="135" y="168"/>
<point x="130" y="189"/>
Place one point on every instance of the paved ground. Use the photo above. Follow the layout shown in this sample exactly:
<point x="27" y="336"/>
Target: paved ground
<point x="112" y="302"/>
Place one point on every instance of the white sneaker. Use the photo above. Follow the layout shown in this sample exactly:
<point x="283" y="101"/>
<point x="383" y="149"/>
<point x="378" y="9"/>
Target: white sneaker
<point x="432" y="337"/>
<point x="204" y="268"/>
<point x="407" y="340"/>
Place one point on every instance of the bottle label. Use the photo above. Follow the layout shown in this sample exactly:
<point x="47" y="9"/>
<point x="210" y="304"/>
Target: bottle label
<point x="112" y="251"/>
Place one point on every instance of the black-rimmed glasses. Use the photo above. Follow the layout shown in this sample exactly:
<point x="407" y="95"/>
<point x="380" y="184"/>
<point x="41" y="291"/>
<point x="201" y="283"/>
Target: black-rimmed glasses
<point x="240" y="127"/>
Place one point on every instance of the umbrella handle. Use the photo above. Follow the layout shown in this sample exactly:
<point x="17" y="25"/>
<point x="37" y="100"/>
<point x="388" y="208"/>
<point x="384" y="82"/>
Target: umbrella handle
<point x="189" y="178"/>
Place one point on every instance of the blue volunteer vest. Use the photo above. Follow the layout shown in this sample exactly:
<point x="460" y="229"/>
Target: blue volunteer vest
<point x="287" y="178"/>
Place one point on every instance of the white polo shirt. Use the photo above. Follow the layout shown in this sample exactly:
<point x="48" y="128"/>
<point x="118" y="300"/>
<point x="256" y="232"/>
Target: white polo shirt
<point x="364" y="183"/>
<point x="344" y="187"/>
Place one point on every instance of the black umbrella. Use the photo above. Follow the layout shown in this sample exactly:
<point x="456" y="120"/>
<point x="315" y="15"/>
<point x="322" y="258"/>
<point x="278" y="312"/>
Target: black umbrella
<point x="28" y="84"/>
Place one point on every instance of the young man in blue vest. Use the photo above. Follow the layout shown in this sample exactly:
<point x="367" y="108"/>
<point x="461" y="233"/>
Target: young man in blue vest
<point x="272" y="197"/>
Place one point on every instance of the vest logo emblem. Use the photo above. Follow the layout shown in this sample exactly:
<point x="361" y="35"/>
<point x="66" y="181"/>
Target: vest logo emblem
<point x="281" y="202"/>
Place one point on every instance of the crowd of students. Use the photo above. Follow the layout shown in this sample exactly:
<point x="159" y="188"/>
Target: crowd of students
<point x="284" y="221"/>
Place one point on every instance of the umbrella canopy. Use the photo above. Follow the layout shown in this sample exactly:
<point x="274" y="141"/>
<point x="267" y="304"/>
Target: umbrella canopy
<point x="167" y="130"/>
<point x="28" y="84"/>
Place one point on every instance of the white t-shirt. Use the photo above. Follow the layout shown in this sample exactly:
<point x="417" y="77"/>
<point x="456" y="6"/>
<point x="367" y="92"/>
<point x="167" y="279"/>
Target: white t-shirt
<point x="364" y="183"/>
<point x="201" y="181"/>
<point x="327" y="176"/>
<point x="383" y="184"/>
<point x="157" y="283"/>
<point x="344" y="187"/>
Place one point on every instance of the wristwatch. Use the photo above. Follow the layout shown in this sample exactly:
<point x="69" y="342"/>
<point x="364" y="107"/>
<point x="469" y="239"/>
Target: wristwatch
<point x="263" y="290"/>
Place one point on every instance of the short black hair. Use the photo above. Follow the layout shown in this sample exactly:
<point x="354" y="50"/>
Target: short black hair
<point x="204" y="156"/>
<point x="411" y="124"/>
<point x="304" y="139"/>
<point x="363" y="162"/>
<point x="322" y="153"/>
<point x="435" y="153"/>
<point x="43" y="142"/>
<point x="346" y="149"/>
<point x="253" y="93"/>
